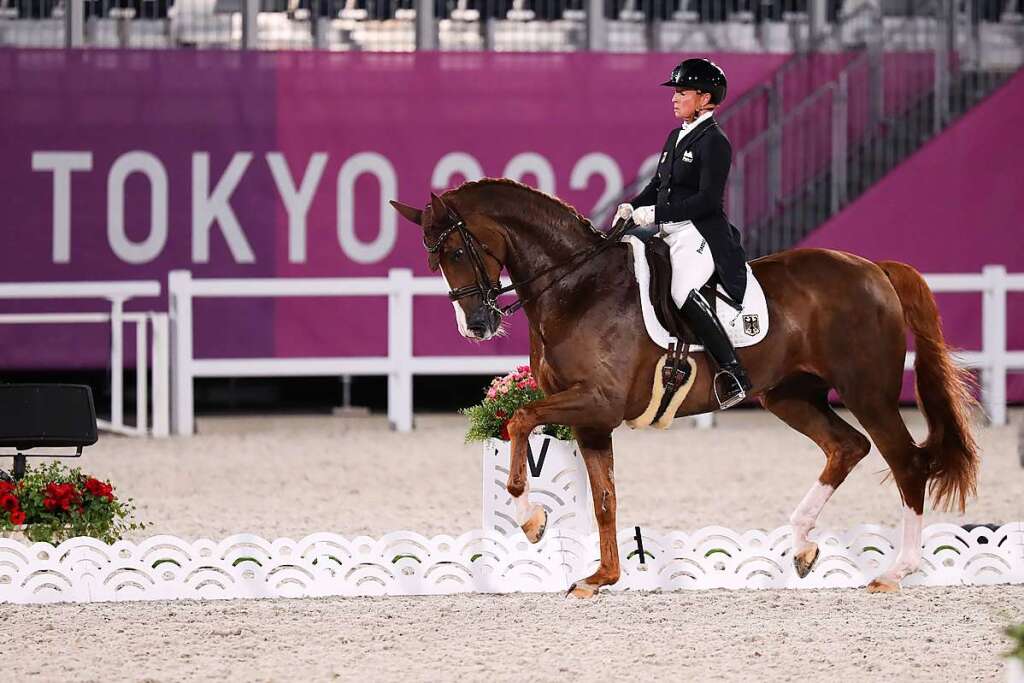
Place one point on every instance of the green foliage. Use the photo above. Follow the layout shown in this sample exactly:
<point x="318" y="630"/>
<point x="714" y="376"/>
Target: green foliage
<point x="1016" y="633"/>
<point x="55" y="503"/>
<point x="505" y="395"/>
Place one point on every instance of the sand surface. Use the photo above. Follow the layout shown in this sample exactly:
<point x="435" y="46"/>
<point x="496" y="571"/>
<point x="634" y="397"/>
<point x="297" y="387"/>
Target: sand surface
<point x="291" y="476"/>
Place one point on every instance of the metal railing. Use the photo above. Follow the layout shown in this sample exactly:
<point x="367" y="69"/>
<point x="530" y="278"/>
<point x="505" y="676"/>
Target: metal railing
<point x="509" y="25"/>
<point x="117" y="294"/>
<point x="904" y="87"/>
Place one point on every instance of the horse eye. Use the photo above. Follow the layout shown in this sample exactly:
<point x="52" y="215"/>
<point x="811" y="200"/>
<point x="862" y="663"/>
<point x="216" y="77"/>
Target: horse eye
<point x="457" y="254"/>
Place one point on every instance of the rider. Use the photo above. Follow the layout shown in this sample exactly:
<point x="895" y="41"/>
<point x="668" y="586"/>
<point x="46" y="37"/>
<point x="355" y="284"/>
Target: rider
<point x="684" y="199"/>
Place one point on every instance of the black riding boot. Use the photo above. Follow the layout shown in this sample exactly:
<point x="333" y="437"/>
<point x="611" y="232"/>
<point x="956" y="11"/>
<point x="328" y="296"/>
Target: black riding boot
<point x="731" y="382"/>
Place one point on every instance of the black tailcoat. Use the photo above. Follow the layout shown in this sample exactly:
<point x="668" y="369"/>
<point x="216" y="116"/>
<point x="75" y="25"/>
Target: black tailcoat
<point x="688" y="186"/>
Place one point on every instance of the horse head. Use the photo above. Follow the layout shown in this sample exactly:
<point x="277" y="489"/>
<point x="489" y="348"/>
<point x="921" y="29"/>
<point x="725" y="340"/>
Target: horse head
<point x="469" y="250"/>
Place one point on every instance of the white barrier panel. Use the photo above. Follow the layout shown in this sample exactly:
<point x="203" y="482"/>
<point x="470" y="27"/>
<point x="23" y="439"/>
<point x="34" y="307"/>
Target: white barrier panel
<point x="557" y="478"/>
<point x="116" y="293"/>
<point x="406" y="563"/>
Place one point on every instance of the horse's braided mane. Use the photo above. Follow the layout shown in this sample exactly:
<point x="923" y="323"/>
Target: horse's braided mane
<point x="570" y="209"/>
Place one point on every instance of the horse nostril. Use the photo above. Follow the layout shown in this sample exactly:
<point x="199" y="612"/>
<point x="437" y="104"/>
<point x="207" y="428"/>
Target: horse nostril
<point x="478" y="329"/>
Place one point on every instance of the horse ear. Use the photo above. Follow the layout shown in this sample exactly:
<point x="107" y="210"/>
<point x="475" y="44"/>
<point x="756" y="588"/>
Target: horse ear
<point x="438" y="205"/>
<point x="409" y="213"/>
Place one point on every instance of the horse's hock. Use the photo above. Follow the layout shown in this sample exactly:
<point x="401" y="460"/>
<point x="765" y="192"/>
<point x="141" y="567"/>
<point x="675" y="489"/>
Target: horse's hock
<point x="557" y="480"/>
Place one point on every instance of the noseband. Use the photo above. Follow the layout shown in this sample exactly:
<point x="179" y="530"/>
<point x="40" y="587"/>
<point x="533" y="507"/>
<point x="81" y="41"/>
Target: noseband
<point x="490" y="291"/>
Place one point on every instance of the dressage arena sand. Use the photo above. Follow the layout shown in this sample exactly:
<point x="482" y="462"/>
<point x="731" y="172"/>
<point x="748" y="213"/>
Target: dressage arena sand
<point x="290" y="476"/>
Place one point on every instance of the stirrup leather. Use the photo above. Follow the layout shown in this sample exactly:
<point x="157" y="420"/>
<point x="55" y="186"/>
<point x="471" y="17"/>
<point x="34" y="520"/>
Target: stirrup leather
<point x="731" y="400"/>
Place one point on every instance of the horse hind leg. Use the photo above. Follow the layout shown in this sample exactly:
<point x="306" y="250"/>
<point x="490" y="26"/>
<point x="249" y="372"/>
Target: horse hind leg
<point x="910" y="468"/>
<point x="802" y="403"/>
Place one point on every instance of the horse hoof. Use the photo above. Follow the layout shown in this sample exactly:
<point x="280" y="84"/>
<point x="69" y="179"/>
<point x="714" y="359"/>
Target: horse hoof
<point x="582" y="590"/>
<point x="805" y="559"/>
<point x="534" y="526"/>
<point x="882" y="586"/>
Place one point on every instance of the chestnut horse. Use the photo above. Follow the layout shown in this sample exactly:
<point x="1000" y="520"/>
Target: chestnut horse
<point x="837" y="322"/>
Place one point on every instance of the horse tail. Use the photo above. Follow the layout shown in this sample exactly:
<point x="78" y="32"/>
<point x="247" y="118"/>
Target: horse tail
<point x="944" y="393"/>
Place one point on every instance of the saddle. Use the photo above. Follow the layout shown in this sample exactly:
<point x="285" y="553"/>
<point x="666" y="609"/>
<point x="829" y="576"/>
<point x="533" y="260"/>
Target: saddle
<point x="660" y="264"/>
<point x="746" y="324"/>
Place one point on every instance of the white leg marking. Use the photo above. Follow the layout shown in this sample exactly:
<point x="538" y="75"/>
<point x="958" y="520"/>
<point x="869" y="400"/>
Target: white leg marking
<point x="909" y="558"/>
<point x="806" y="514"/>
<point x="522" y="504"/>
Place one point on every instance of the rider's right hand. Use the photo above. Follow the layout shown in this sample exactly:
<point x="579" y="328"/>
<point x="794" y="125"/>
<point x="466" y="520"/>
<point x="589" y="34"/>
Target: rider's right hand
<point x="624" y="212"/>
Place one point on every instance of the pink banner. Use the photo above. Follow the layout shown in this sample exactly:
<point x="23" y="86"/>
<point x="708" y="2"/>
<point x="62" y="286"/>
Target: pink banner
<point x="126" y="165"/>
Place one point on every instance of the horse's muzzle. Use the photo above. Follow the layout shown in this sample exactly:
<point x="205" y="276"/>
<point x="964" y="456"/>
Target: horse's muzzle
<point x="482" y="323"/>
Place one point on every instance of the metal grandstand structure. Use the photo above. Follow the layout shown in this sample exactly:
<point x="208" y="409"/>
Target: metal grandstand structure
<point x="507" y="25"/>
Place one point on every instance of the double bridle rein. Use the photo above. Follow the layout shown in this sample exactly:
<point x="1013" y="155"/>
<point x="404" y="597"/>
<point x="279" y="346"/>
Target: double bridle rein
<point x="490" y="291"/>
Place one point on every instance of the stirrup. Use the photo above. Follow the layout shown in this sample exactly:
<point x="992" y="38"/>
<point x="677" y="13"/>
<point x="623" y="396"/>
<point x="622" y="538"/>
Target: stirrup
<point x="731" y="400"/>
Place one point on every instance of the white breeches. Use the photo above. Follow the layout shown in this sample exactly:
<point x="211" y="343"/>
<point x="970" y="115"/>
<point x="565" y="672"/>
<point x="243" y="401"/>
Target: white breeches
<point x="692" y="262"/>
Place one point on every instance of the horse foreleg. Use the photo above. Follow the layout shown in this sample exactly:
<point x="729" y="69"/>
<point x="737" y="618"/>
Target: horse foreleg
<point x="597" y="454"/>
<point x="574" y="406"/>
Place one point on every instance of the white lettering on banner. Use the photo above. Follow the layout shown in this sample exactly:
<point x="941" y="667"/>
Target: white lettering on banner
<point x="455" y="163"/>
<point x="297" y="202"/>
<point x="648" y="168"/>
<point x="62" y="164"/>
<point x="381" y="168"/>
<point x="527" y="163"/>
<point x="597" y="163"/>
<point x="211" y="207"/>
<point x="208" y="207"/>
<point x="149" y="166"/>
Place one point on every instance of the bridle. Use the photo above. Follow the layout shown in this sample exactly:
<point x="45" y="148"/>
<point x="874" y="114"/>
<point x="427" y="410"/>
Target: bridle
<point x="490" y="291"/>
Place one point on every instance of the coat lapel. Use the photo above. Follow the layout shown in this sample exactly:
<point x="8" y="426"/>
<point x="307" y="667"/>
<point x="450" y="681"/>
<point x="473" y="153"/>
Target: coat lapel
<point x="702" y="128"/>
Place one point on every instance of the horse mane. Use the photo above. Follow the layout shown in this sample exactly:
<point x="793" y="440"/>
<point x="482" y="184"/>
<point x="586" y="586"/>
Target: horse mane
<point x="552" y="201"/>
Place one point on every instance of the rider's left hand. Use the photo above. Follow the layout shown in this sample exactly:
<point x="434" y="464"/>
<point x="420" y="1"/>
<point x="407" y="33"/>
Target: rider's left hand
<point x="643" y="215"/>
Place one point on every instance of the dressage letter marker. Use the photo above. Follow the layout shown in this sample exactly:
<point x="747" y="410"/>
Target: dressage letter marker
<point x="535" y="469"/>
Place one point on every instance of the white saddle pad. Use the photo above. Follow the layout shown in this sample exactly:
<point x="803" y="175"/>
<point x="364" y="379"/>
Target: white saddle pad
<point x="745" y="328"/>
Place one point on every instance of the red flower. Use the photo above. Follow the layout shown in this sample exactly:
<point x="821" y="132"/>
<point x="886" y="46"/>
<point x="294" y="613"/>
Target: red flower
<point x="499" y="414"/>
<point x="6" y="487"/>
<point x="17" y="517"/>
<point x="99" y="488"/>
<point x="503" y="432"/>
<point x="61" y="495"/>
<point x="9" y="503"/>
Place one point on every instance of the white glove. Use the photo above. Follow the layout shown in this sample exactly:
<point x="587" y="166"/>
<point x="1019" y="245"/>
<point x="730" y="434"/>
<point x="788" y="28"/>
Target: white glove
<point x="623" y="212"/>
<point x="644" y="215"/>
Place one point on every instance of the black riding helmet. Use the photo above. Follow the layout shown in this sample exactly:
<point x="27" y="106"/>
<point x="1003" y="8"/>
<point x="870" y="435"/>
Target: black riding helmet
<point x="700" y="74"/>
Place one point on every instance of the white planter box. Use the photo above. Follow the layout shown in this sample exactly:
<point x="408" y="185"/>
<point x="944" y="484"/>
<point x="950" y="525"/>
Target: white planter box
<point x="558" y="481"/>
<point x="1014" y="670"/>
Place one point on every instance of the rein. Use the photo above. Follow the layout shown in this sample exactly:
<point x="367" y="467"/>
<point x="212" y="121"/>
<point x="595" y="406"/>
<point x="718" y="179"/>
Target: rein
<point x="490" y="291"/>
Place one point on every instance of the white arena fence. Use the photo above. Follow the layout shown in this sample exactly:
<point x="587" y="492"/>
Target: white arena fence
<point x="174" y="368"/>
<point x="400" y="365"/>
<point x="156" y="355"/>
<point x="407" y="563"/>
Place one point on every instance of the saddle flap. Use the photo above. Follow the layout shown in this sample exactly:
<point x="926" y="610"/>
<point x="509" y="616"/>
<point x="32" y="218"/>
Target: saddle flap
<point x="659" y="263"/>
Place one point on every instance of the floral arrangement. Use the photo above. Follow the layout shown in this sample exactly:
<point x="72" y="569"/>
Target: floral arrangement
<point x="489" y="418"/>
<point x="1016" y="634"/>
<point x="53" y="503"/>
